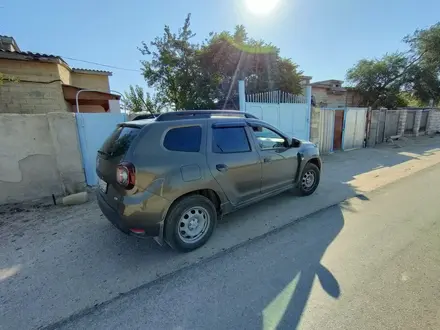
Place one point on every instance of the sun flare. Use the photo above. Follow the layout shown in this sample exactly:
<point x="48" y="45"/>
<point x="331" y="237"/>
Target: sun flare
<point x="261" y="7"/>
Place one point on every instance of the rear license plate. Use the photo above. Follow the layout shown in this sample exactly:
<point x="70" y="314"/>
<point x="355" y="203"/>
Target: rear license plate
<point x="102" y="185"/>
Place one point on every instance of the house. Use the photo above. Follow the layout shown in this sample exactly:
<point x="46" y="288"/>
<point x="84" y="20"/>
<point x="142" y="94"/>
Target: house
<point x="43" y="83"/>
<point x="331" y="94"/>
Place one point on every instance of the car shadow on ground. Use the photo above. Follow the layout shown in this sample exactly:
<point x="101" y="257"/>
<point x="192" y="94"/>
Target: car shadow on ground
<point x="264" y="285"/>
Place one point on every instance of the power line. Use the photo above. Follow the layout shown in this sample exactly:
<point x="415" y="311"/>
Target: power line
<point x="104" y="65"/>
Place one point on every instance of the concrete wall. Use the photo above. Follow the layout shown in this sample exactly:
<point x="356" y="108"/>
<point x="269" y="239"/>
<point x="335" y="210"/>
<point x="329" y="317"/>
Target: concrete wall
<point x="39" y="156"/>
<point x="115" y="106"/>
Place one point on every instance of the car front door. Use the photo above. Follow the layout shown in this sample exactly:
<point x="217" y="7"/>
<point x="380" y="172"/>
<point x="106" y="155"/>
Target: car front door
<point x="279" y="159"/>
<point x="234" y="161"/>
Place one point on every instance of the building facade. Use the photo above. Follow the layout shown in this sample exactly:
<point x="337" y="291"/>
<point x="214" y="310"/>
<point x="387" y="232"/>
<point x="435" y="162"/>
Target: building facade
<point x="36" y="83"/>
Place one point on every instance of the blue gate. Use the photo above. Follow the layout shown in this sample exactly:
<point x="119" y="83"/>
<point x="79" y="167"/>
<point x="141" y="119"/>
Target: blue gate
<point x="93" y="129"/>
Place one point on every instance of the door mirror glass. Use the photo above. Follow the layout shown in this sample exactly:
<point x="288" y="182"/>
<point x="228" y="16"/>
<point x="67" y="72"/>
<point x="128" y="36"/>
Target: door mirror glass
<point x="295" y="143"/>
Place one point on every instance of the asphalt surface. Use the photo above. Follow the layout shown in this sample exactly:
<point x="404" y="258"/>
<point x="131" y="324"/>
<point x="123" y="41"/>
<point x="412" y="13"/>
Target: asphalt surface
<point x="373" y="262"/>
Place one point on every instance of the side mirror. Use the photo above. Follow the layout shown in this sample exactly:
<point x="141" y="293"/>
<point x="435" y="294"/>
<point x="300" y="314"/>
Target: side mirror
<point x="295" y="143"/>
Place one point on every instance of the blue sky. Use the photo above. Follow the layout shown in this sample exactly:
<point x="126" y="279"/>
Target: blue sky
<point x="325" y="37"/>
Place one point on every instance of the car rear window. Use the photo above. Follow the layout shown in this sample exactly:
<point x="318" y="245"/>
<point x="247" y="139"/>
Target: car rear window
<point x="185" y="139"/>
<point x="119" y="141"/>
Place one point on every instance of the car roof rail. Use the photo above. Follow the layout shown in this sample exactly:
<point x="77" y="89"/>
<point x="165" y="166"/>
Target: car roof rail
<point x="144" y="116"/>
<point x="194" y="114"/>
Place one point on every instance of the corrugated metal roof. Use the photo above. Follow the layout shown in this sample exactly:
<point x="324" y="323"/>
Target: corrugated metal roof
<point x="36" y="55"/>
<point x="91" y="70"/>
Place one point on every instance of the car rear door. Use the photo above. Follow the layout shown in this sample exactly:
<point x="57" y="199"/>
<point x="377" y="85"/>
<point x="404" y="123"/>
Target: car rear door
<point x="279" y="160"/>
<point x="233" y="161"/>
<point x="108" y="158"/>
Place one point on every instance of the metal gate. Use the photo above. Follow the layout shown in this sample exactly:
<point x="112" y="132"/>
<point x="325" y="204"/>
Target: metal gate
<point x="93" y="129"/>
<point x="391" y="123"/>
<point x="289" y="113"/>
<point x="410" y="120"/>
<point x="354" y="128"/>
<point x="424" y="121"/>
<point x="326" y="130"/>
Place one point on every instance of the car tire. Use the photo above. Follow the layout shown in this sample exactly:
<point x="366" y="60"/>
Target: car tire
<point x="190" y="223"/>
<point x="309" y="179"/>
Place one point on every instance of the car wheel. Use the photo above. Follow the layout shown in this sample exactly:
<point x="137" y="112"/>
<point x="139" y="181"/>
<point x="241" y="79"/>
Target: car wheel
<point x="309" y="180"/>
<point x="190" y="223"/>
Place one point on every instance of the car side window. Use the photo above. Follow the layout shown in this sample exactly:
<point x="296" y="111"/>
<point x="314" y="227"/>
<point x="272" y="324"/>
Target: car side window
<point x="185" y="139"/>
<point x="230" y="140"/>
<point x="268" y="139"/>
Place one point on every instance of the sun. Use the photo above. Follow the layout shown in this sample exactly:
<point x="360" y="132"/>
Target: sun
<point x="261" y="7"/>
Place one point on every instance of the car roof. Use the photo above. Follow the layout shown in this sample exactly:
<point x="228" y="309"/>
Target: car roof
<point x="195" y="115"/>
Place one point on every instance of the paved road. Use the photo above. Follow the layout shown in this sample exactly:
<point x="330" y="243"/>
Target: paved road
<point x="371" y="263"/>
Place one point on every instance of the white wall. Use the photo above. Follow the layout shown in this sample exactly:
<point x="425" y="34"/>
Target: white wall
<point x="115" y="106"/>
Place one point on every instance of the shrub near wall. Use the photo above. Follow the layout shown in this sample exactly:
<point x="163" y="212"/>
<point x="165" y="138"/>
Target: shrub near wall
<point x="39" y="156"/>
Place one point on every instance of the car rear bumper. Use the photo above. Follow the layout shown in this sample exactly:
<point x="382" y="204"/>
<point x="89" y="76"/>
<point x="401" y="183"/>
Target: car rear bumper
<point x="151" y="224"/>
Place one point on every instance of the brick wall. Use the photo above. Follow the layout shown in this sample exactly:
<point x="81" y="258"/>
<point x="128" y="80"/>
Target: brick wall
<point x="90" y="81"/>
<point x="38" y="96"/>
<point x="433" y="125"/>
<point x="326" y="99"/>
<point x="39" y="90"/>
<point x="64" y="74"/>
<point x="401" y="123"/>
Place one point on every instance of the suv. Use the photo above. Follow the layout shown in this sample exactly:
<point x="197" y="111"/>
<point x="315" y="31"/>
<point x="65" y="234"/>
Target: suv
<point x="173" y="176"/>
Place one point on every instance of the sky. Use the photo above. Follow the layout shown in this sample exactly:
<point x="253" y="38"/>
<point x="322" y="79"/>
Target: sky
<point x="324" y="37"/>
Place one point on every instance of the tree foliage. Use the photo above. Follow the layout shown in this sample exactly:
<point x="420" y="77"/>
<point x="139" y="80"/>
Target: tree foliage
<point x="188" y="75"/>
<point x="230" y="57"/>
<point x="137" y="100"/>
<point x="397" y="79"/>
<point x="174" y="70"/>
<point x="379" y="81"/>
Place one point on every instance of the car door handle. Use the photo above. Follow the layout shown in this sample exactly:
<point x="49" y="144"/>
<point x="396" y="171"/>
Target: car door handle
<point x="267" y="159"/>
<point x="221" y="167"/>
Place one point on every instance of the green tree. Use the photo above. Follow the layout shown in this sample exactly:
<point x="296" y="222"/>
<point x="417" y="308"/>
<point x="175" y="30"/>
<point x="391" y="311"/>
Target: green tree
<point x="174" y="71"/>
<point x="423" y="79"/>
<point x="137" y="100"/>
<point x="380" y="81"/>
<point x="187" y="75"/>
<point x="230" y="57"/>
<point x="399" y="78"/>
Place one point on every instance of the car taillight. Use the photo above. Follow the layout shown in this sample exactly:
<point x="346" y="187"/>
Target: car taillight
<point x="126" y="175"/>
